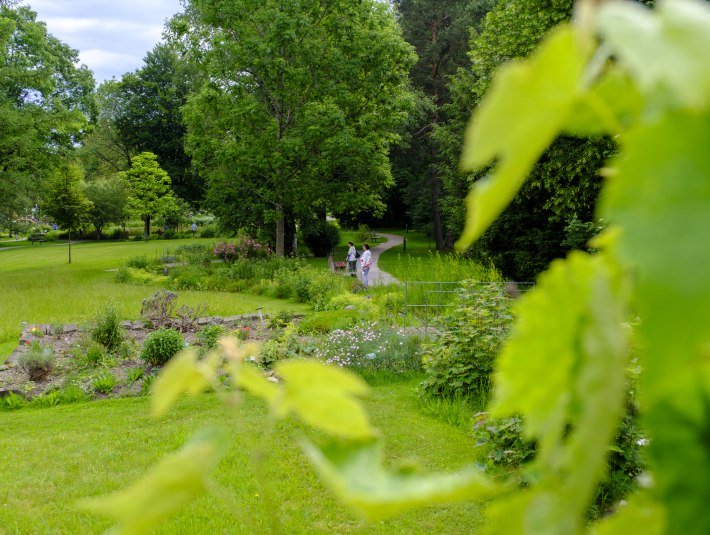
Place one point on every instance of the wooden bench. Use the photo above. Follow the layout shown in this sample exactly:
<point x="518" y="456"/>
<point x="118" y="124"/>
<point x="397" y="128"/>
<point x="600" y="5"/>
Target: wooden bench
<point x="374" y="237"/>
<point x="37" y="238"/>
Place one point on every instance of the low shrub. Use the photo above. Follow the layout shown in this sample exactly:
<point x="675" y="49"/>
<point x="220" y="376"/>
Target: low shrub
<point x="108" y="330"/>
<point x="321" y="237"/>
<point x="161" y="345"/>
<point x="281" y="319"/>
<point x="104" y="383"/>
<point x="12" y="402"/>
<point x="48" y="399"/>
<point x="94" y="355"/>
<point x="138" y="262"/>
<point x="207" y="337"/>
<point x="134" y="374"/>
<point x="242" y="333"/>
<point x="159" y="308"/>
<point x="72" y="393"/>
<point x="459" y="362"/>
<point x="327" y="321"/>
<point x="208" y="231"/>
<point x="38" y="362"/>
<point x="501" y="441"/>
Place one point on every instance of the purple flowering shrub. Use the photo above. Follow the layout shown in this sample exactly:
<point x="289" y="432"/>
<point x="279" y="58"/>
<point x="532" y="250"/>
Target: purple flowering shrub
<point x="245" y="247"/>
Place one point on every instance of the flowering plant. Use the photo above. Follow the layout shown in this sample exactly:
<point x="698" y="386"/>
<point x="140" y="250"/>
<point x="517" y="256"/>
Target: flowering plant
<point x="225" y="251"/>
<point x="245" y="247"/>
<point x="36" y="331"/>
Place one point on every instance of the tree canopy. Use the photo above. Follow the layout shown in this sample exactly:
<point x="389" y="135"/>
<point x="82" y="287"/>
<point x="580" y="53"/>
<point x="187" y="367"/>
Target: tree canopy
<point x="149" y="188"/>
<point x="45" y="105"/>
<point x="300" y="106"/>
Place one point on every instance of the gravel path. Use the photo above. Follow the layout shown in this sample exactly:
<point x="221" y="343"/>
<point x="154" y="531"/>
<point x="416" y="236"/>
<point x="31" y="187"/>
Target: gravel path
<point x="377" y="276"/>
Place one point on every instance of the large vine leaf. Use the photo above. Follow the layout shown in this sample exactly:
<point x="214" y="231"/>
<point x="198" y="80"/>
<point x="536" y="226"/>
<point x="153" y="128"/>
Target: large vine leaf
<point x="324" y="397"/>
<point x="660" y="196"/>
<point x="184" y="373"/>
<point x="173" y="483"/>
<point x="355" y="472"/>
<point x="563" y="370"/>
<point x="528" y="105"/>
<point x="665" y="49"/>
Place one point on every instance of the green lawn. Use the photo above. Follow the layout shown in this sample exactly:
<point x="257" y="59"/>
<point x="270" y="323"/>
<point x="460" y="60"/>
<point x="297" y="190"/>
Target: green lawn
<point x="49" y="458"/>
<point x="37" y="285"/>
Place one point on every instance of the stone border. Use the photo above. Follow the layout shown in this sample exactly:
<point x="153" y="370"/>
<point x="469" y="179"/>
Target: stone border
<point x="28" y="333"/>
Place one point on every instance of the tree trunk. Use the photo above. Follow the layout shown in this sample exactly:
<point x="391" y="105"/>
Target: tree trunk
<point x="434" y="183"/>
<point x="146" y="229"/>
<point x="280" y="230"/>
<point x="69" y="234"/>
<point x="434" y="188"/>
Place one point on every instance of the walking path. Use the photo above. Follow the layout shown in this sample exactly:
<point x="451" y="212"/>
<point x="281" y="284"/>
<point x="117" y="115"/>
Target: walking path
<point x="377" y="276"/>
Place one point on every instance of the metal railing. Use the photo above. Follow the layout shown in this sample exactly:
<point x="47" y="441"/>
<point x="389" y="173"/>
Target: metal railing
<point x="440" y="298"/>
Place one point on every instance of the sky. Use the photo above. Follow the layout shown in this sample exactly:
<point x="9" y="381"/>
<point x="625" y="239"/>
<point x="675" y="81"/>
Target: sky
<point x="112" y="36"/>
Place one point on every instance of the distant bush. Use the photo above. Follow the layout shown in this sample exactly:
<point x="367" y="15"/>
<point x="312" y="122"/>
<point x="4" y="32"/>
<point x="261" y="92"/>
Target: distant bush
<point x="138" y="262"/>
<point x="321" y="237"/>
<point x="161" y="346"/>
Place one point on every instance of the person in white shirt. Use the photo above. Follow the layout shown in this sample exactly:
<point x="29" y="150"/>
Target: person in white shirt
<point x="365" y="263"/>
<point x="351" y="259"/>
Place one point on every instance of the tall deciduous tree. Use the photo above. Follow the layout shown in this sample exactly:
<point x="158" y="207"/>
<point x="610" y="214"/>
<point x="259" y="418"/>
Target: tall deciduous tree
<point x="109" y="197"/>
<point x="104" y="151"/>
<point x="301" y="105"/>
<point x="65" y="201"/>
<point x="149" y="187"/>
<point x="44" y="104"/>
<point x="148" y="117"/>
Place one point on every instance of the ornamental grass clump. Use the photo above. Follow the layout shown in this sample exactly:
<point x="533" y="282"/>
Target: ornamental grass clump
<point x="108" y="331"/>
<point x="161" y="346"/>
<point x="38" y="362"/>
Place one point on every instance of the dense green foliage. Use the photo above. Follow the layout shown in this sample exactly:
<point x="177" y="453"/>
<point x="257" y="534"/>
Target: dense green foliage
<point x="149" y="188"/>
<point x="459" y="362"/>
<point x="109" y="199"/>
<point x="45" y="105"/>
<point x="161" y="345"/>
<point x="148" y="117"/>
<point x="653" y="96"/>
<point x="321" y="237"/>
<point x="300" y="109"/>
<point x="439" y="31"/>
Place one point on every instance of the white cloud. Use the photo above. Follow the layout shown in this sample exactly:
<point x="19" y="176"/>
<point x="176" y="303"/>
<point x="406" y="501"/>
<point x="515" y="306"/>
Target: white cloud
<point x="112" y="37"/>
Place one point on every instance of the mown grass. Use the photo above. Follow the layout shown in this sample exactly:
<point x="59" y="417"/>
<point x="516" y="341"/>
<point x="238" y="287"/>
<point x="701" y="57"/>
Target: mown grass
<point x="53" y="457"/>
<point x="37" y="285"/>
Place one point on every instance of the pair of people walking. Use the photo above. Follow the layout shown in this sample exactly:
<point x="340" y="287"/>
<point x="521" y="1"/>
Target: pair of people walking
<point x="365" y="262"/>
